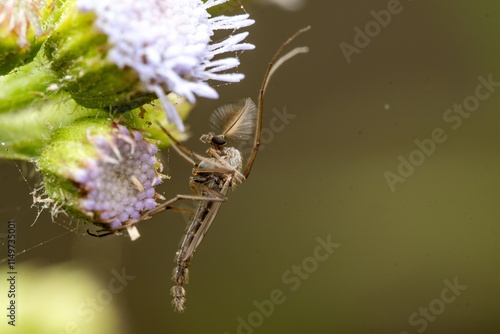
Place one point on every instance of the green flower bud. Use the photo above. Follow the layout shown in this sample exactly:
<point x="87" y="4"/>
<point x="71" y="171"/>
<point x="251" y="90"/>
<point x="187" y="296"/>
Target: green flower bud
<point x="25" y="132"/>
<point x="56" y="298"/>
<point x="25" y="86"/>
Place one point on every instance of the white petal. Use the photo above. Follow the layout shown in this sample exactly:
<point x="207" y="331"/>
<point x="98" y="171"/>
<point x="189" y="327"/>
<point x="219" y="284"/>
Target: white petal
<point x="170" y="111"/>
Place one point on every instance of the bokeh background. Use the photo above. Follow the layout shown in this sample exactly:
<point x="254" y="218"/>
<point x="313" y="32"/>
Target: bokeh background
<point x="322" y="176"/>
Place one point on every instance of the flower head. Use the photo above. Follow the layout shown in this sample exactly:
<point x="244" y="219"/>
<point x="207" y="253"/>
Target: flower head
<point x="168" y="43"/>
<point x="24" y="26"/>
<point x="102" y="171"/>
<point x="120" y="183"/>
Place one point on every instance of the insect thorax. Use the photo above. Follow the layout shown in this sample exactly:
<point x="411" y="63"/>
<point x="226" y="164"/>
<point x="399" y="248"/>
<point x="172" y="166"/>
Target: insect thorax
<point x="230" y="155"/>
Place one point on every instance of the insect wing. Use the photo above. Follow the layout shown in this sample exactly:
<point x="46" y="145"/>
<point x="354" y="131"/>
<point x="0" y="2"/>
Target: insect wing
<point x="236" y="121"/>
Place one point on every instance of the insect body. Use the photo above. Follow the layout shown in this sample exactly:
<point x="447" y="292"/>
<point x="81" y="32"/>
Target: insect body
<point x="211" y="180"/>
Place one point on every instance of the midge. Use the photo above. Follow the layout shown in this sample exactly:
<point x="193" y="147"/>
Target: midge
<point x="214" y="175"/>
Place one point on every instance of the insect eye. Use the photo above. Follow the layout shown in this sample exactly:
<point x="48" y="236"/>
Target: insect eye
<point x="218" y="140"/>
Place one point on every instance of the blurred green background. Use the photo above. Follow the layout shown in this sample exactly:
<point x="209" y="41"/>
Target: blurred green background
<point x="322" y="175"/>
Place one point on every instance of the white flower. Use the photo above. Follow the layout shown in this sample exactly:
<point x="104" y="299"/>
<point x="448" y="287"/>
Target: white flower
<point x="168" y="43"/>
<point x="19" y="17"/>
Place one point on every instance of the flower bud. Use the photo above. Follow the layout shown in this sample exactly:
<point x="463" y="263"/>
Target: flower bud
<point x="25" y="132"/>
